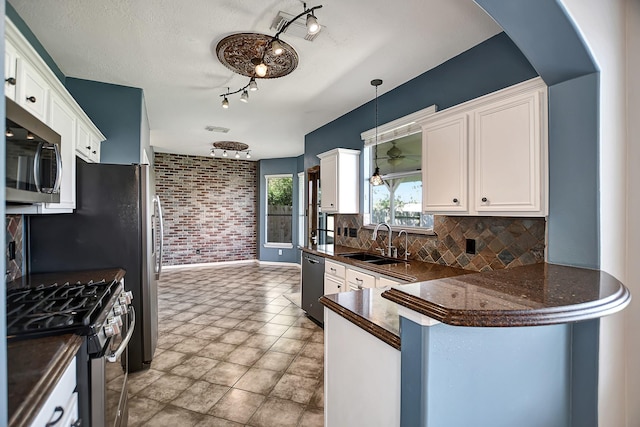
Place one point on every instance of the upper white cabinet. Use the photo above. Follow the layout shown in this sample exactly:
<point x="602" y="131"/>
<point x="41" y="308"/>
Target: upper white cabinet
<point x="32" y="90"/>
<point x="508" y="155"/>
<point x="488" y="156"/>
<point x="32" y="84"/>
<point x="445" y="153"/>
<point x="340" y="181"/>
<point x="10" y="70"/>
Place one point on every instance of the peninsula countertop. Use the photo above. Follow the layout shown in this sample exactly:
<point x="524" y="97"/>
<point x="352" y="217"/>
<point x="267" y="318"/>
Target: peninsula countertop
<point x="533" y="295"/>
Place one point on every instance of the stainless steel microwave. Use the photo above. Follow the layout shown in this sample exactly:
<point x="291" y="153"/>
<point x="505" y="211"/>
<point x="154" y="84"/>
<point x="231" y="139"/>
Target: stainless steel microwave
<point x="33" y="159"/>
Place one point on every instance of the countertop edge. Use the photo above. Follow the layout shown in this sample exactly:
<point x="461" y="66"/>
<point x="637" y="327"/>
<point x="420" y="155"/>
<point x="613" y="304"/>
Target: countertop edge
<point x="31" y="405"/>
<point x="376" y="330"/>
<point x="512" y="318"/>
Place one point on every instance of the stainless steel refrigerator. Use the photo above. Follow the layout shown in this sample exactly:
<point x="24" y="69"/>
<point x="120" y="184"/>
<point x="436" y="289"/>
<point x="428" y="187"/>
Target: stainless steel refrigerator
<point x="117" y="223"/>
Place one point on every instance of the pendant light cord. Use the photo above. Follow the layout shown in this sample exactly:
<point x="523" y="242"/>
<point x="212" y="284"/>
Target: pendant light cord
<point x="376" y="126"/>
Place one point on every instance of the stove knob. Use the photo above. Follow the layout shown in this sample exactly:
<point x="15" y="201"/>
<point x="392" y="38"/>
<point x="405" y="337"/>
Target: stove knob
<point x="111" y="330"/>
<point x="126" y="297"/>
<point x="115" y="320"/>
<point x="117" y="310"/>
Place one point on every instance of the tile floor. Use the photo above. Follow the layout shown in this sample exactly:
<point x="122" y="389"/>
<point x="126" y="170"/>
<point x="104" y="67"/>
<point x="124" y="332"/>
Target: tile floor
<point x="232" y="351"/>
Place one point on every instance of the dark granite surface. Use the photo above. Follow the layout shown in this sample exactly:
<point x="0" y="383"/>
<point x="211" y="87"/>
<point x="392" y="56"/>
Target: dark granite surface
<point x="34" y="366"/>
<point x="539" y="294"/>
<point x="367" y="309"/>
<point x="409" y="271"/>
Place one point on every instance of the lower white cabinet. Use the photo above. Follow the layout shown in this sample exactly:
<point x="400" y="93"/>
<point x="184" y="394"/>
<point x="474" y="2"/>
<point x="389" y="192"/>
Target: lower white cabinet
<point x="340" y="277"/>
<point x="356" y="279"/>
<point x="61" y="407"/>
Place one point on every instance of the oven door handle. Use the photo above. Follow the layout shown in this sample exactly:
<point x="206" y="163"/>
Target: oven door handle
<point x="123" y="345"/>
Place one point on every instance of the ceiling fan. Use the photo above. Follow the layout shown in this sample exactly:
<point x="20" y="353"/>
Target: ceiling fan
<point x="395" y="155"/>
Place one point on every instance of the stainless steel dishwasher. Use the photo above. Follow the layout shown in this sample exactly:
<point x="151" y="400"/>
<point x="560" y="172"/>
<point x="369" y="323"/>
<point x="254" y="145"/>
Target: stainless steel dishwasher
<point x="313" y="285"/>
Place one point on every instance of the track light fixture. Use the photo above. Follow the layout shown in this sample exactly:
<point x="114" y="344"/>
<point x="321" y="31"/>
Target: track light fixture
<point x="257" y="55"/>
<point x="229" y="146"/>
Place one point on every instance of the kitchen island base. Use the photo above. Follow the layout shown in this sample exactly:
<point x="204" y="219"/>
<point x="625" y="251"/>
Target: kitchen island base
<point x="523" y="376"/>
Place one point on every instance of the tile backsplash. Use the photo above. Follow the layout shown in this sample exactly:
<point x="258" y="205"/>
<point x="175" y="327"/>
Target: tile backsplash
<point x="500" y="242"/>
<point x="14" y="233"/>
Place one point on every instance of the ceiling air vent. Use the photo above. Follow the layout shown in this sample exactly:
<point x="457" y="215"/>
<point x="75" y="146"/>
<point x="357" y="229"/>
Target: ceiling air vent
<point x="217" y="129"/>
<point x="296" y="29"/>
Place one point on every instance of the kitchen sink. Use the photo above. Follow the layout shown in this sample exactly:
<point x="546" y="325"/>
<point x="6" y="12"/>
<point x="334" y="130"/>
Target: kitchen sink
<point x="363" y="256"/>
<point x="371" y="258"/>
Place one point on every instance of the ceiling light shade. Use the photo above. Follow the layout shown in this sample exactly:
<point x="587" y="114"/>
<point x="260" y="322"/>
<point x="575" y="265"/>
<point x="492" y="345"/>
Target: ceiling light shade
<point x="229" y="146"/>
<point x="249" y="154"/>
<point x="30" y="136"/>
<point x="244" y="97"/>
<point x="253" y="86"/>
<point x="213" y="152"/>
<point x="312" y="24"/>
<point x="225" y="102"/>
<point x="224" y="153"/>
<point x="376" y="179"/>
<point x="276" y="47"/>
<point x="237" y="155"/>
<point x="261" y="69"/>
<point x="8" y="133"/>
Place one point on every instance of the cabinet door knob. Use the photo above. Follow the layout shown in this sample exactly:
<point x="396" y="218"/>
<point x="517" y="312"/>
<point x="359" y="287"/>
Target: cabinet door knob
<point x="31" y="99"/>
<point x="11" y="81"/>
<point x="455" y="200"/>
<point x="484" y="199"/>
<point x="93" y="152"/>
<point x="88" y="147"/>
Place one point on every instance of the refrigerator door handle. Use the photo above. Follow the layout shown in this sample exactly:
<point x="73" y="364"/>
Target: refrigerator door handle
<point x="158" y="266"/>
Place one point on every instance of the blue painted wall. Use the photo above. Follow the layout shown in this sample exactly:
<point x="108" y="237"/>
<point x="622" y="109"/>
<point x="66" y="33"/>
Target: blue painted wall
<point x="117" y="111"/>
<point x="492" y="65"/>
<point x="33" y="40"/>
<point x="287" y="165"/>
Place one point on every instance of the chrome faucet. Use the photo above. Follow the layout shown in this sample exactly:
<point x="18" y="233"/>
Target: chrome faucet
<point x="374" y="236"/>
<point x="406" y="244"/>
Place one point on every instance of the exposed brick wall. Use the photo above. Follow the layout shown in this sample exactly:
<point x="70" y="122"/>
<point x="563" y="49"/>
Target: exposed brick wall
<point x="210" y="205"/>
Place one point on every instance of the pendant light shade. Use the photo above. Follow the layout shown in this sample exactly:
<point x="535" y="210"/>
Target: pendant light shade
<point x="312" y="24"/>
<point x="225" y="103"/>
<point x="244" y="97"/>
<point x="376" y="179"/>
<point x="276" y="47"/>
<point x="253" y="86"/>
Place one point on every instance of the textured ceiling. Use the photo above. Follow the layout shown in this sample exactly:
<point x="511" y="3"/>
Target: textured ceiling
<point x="167" y="48"/>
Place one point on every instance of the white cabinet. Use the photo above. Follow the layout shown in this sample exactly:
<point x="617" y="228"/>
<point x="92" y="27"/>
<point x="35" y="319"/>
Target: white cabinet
<point x="62" y="403"/>
<point x="356" y="279"/>
<point x="10" y="70"/>
<point x="488" y="156"/>
<point x="384" y="282"/>
<point x="87" y="146"/>
<point x="334" y="277"/>
<point x="63" y="121"/>
<point x="508" y="155"/>
<point x="32" y="90"/>
<point x="37" y="89"/>
<point x="444" y="182"/>
<point x="340" y="181"/>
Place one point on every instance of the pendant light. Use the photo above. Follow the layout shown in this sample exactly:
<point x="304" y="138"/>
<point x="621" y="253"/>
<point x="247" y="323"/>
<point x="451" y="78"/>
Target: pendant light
<point x="376" y="179"/>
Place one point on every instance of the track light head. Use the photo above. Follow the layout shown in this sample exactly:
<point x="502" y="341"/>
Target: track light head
<point x="224" y="153"/>
<point x="312" y="24"/>
<point x="225" y="102"/>
<point x="249" y="154"/>
<point x="276" y="47"/>
<point x="245" y="96"/>
<point x="253" y="85"/>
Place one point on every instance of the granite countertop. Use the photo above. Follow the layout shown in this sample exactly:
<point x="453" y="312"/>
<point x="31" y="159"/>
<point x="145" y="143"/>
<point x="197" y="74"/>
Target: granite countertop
<point x="34" y="366"/>
<point x="533" y="295"/>
<point x="409" y="271"/>
<point x="367" y="309"/>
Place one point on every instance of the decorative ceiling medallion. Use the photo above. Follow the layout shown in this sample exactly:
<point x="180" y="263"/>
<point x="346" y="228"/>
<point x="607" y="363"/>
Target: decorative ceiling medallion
<point x="230" y="145"/>
<point x="237" y="51"/>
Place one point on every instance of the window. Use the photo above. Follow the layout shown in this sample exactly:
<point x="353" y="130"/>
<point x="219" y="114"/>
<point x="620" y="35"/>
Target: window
<point x="398" y="201"/>
<point x="301" y="186"/>
<point x="279" y="221"/>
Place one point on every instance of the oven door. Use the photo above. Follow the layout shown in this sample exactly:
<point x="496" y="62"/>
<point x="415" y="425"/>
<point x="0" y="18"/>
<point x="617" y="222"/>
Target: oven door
<point x="109" y="406"/>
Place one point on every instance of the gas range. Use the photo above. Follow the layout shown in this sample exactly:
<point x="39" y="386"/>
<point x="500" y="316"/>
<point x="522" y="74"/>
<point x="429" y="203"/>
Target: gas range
<point x="92" y="309"/>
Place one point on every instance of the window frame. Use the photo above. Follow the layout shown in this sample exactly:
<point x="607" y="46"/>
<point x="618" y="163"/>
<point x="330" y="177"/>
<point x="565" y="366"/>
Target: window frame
<point x="279" y="245"/>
